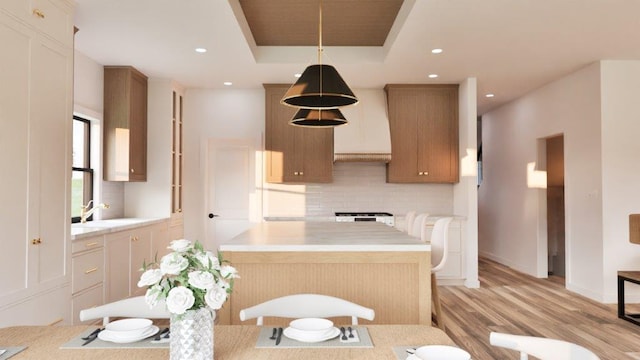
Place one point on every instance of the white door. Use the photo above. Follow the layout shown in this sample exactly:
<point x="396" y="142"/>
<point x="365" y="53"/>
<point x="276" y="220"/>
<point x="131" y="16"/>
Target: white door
<point x="231" y="189"/>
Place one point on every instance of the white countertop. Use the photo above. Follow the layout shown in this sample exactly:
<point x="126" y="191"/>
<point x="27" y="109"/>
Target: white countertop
<point x="101" y="227"/>
<point x="323" y="236"/>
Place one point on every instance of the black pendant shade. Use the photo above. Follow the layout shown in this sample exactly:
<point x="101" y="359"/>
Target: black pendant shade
<point x="319" y="87"/>
<point x="318" y="118"/>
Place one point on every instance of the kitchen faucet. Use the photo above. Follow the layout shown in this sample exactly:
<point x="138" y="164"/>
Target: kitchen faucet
<point x="85" y="211"/>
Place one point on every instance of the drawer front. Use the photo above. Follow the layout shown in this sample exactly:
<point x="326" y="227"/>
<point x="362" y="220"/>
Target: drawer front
<point x="86" y="300"/>
<point x="87" y="270"/>
<point x="87" y="244"/>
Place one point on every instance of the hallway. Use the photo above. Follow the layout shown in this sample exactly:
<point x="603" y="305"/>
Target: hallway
<point x="512" y="302"/>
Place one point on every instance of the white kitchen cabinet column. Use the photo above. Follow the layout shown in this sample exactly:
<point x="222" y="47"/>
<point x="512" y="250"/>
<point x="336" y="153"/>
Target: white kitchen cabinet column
<point x="36" y="77"/>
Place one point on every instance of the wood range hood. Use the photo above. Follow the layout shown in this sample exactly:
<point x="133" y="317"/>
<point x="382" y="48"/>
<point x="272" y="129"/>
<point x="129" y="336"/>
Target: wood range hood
<point x="366" y="137"/>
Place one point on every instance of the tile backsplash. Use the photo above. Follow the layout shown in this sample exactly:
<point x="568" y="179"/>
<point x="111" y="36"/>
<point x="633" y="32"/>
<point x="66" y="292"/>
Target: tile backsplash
<point x="356" y="187"/>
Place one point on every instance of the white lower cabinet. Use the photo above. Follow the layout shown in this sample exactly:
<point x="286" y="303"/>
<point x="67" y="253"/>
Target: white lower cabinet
<point x="453" y="271"/>
<point x="125" y="252"/>
<point x="86" y="299"/>
<point x="87" y="275"/>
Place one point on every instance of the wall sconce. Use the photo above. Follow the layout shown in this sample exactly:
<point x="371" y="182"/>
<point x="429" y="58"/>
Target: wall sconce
<point x="536" y="179"/>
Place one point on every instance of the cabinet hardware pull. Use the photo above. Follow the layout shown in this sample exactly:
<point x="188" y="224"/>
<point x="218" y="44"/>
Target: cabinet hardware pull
<point x="132" y="171"/>
<point x="420" y="173"/>
<point x="87" y="272"/>
<point x="91" y="244"/>
<point x="426" y="173"/>
<point x="38" y="13"/>
<point x="301" y="173"/>
<point x="295" y="173"/>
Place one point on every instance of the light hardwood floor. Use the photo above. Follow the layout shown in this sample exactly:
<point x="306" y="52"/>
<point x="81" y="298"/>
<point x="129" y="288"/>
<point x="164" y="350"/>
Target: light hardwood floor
<point x="512" y="302"/>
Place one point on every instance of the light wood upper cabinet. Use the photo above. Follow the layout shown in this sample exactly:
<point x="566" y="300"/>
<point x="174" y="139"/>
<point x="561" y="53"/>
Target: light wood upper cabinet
<point x="125" y="124"/>
<point x="423" y="121"/>
<point x="294" y="154"/>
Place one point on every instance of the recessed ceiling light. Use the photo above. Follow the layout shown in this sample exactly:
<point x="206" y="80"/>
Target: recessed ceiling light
<point x="490" y="95"/>
<point x="297" y="75"/>
<point x="227" y="83"/>
<point x="201" y="50"/>
<point x="436" y="51"/>
<point x="433" y="76"/>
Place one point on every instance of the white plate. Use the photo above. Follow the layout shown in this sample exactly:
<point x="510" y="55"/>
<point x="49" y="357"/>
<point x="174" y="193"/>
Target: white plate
<point x="129" y="327"/>
<point x="291" y="333"/>
<point x="311" y="324"/>
<point x="113" y="336"/>
<point x="441" y="352"/>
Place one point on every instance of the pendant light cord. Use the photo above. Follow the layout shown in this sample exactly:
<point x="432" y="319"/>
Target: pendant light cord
<point x="320" y="44"/>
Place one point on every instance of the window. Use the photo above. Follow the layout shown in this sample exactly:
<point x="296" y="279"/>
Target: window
<point x="81" y="174"/>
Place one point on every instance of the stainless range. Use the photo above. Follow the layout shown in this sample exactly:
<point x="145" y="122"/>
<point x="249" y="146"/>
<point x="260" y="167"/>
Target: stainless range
<point x="381" y="217"/>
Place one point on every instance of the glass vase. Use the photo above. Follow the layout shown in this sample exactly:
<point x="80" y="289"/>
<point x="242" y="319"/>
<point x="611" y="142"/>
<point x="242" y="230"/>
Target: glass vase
<point x="192" y="335"/>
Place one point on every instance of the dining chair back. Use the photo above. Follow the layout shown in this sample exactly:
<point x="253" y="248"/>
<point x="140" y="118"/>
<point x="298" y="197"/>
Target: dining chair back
<point x="541" y="348"/>
<point x="131" y="307"/>
<point x="439" y="248"/>
<point x="440" y="243"/>
<point x="418" y="228"/>
<point x="408" y="221"/>
<point x="307" y="305"/>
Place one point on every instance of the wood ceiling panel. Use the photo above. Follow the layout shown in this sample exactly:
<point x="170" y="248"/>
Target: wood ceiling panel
<point x="345" y="22"/>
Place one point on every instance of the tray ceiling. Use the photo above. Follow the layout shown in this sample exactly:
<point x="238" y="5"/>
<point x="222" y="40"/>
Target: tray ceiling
<point x="344" y="22"/>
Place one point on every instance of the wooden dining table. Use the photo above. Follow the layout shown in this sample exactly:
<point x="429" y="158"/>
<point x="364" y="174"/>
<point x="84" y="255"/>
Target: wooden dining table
<point x="230" y="342"/>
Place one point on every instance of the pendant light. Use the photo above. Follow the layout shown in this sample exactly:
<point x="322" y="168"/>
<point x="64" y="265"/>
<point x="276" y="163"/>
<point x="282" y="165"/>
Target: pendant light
<point x="320" y="86"/>
<point x="318" y="118"/>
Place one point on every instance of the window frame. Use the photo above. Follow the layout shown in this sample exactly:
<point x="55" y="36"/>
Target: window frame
<point x="88" y="188"/>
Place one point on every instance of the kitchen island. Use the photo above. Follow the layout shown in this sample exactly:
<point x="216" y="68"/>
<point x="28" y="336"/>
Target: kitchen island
<point x="368" y="263"/>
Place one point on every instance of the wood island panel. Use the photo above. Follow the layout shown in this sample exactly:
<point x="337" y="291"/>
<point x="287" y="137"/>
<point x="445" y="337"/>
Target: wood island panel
<point x="396" y="284"/>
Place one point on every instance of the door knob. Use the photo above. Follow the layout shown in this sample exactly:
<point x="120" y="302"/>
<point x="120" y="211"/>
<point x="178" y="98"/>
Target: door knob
<point x="211" y="216"/>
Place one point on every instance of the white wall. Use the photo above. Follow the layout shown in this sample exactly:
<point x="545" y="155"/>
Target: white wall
<point x="152" y="198"/>
<point x="509" y="211"/>
<point x="88" y="103"/>
<point x="211" y="114"/>
<point x="620" y="168"/>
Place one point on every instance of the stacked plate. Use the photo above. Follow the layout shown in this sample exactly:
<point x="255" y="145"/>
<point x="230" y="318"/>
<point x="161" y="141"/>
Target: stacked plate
<point x="128" y="330"/>
<point x="311" y="330"/>
<point x="439" y="352"/>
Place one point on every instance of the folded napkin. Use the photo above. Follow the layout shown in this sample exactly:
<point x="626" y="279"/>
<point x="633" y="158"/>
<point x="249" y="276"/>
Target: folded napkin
<point x="8" y="352"/>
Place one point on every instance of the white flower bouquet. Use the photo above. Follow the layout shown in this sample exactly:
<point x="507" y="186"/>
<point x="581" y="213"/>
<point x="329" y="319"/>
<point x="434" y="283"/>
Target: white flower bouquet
<point x="189" y="278"/>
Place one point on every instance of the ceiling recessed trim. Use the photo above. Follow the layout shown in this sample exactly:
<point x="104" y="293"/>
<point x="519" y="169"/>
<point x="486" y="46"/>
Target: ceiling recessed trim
<point x="307" y="54"/>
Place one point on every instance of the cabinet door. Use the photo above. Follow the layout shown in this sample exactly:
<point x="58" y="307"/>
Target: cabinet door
<point x="117" y="266"/>
<point x="404" y="116"/>
<point x="438" y="135"/>
<point x="14" y="119"/>
<point x="140" y="252"/>
<point x="280" y="137"/>
<point x="50" y="131"/>
<point x="125" y="124"/>
<point x="138" y="128"/>
<point x="316" y="153"/>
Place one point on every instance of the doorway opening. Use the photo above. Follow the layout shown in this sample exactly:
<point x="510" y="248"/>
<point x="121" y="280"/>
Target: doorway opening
<point x="555" y="206"/>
